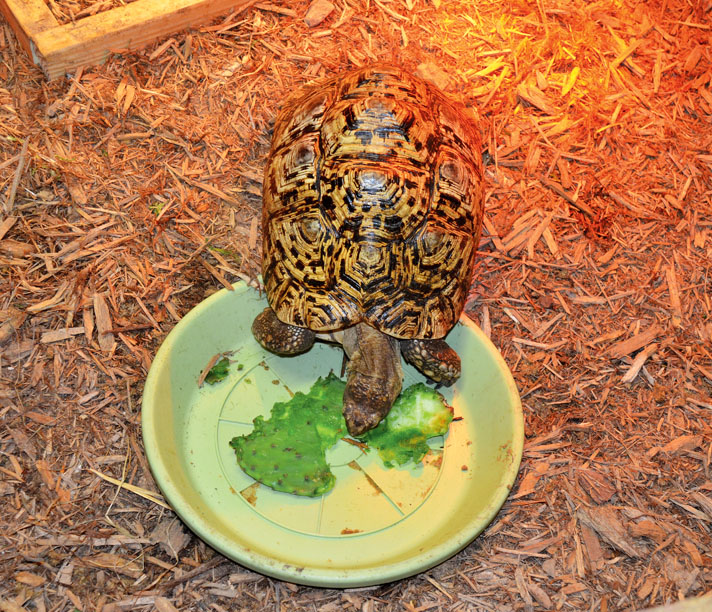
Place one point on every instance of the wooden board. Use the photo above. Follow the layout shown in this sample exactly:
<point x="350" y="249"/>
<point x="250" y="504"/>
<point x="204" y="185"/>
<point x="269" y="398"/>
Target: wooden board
<point x="58" y="49"/>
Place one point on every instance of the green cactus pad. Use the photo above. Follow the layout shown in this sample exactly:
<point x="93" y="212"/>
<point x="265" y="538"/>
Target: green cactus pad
<point x="287" y="451"/>
<point x="218" y="372"/>
<point x="419" y="413"/>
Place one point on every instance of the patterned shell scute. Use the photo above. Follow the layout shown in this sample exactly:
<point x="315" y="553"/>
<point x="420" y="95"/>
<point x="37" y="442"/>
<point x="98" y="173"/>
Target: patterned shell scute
<point x="372" y="206"/>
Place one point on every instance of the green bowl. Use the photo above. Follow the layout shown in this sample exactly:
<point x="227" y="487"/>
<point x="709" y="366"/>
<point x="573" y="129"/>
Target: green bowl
<point x="377" y="525"/>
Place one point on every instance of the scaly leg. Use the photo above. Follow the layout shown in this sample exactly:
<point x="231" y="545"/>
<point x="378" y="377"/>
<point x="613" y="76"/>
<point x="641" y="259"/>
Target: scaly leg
<point x="434" y="358"/>
<point x="281" y="338"/>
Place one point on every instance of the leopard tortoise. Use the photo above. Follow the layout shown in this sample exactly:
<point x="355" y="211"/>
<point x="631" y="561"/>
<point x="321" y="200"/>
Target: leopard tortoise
<point x="372" y="207"/>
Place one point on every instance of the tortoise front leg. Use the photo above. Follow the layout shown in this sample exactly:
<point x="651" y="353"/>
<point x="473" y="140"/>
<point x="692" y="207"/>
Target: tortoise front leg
<point x="434" y="358"/>
<point x="281" y="338"/>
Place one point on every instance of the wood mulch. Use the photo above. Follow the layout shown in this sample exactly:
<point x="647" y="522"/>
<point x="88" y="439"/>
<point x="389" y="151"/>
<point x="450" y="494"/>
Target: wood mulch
<point x="132" y="190"/>
<point x="71" y="11"/>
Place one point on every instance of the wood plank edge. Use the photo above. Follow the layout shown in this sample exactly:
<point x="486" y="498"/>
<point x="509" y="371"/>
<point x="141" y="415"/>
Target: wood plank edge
<point x="26" y="20"/>
<point x="91" y="40"/>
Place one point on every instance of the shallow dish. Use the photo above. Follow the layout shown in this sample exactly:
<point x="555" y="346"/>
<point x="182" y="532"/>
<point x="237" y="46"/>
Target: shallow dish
<point x="377" y="524"/>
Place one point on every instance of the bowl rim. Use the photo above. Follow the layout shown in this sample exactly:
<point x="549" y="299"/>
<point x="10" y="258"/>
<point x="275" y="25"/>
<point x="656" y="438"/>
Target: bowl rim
<point x="321" y="577"/>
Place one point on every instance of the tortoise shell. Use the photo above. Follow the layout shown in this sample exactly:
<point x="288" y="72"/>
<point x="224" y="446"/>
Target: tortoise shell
<point x="372" y="206"/>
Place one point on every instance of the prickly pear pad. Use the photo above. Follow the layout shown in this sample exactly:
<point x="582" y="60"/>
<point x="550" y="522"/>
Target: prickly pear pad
<point x="287" y="451"/>
<point x="419" y="413"/>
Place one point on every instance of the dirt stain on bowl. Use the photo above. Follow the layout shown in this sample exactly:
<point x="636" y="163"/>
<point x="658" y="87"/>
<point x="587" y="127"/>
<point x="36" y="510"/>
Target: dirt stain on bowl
<point x="250" y="493"/>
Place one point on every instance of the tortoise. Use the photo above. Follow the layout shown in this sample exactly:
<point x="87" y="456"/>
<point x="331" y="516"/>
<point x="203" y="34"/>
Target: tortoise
<point x="372" y="208"/>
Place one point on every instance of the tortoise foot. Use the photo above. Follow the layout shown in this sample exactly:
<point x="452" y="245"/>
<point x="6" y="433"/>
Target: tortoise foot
<point x="281" y="338"/>
<point x="434" y="358"/>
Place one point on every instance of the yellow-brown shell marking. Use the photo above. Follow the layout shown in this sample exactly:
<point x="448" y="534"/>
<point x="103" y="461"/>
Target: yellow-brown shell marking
<point x="372" y="206"/>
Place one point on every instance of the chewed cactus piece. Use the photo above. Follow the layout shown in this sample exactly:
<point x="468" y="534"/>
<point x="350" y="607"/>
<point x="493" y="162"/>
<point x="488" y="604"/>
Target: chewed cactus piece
<point x="418" y="414"/>
<point x="287" y="451"/>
